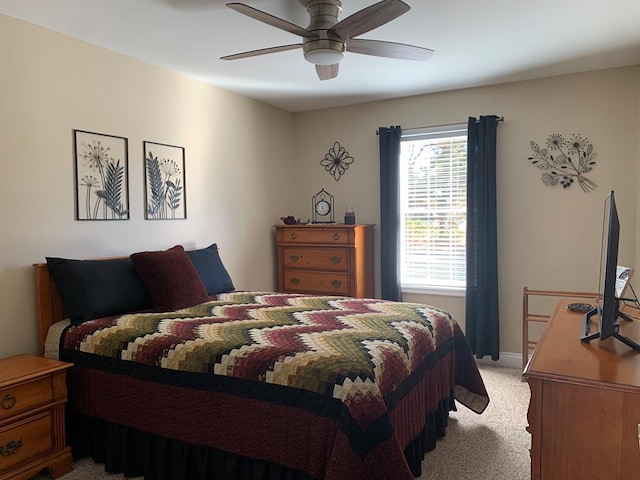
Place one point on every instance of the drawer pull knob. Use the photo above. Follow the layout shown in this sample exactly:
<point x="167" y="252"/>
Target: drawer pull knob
<point x="336" y="283"/>
<point x="294" y="280"/>
<point x="294" y="258"/>
<point x="336" y="259"/>
<point x="8" y="401"/>
<point x="10" y="448"/>
<point x="294" y="235"/>
<point x="336" y="236"/>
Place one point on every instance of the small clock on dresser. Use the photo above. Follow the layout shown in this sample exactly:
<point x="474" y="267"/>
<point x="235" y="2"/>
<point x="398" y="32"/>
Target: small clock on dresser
<point x="322" y="205"/>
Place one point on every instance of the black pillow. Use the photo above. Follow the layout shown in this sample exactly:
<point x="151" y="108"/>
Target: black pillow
<point x="212" y="272"/>
<point x="98" y="288"/>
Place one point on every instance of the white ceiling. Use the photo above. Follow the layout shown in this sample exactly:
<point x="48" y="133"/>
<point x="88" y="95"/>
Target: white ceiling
<point x="476" y="43"/>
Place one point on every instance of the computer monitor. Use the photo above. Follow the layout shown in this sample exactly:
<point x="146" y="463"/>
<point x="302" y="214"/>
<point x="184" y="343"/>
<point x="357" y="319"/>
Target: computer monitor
<point x="609" y="309"/>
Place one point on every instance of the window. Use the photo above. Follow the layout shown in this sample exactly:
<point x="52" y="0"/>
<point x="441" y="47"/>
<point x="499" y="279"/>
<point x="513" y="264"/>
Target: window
<point x="433" y="209"/>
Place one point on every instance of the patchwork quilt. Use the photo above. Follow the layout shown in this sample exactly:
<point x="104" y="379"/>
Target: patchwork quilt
<point x="374" y="368"/>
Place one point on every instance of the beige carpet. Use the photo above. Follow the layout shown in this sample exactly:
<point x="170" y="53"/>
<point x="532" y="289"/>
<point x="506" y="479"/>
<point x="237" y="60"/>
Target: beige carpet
<point x="491" y="446"/>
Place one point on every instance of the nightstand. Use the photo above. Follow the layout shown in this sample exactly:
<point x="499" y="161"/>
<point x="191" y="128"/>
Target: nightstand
<point x="33" y="392"/>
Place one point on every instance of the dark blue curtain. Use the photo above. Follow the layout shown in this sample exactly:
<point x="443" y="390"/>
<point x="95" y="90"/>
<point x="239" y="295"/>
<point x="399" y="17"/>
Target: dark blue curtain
<point x="482" y="319"/>
<point x="389" y="212"/>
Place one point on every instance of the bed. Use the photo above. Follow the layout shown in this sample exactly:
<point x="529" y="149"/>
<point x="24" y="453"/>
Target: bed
<point x="247" y="385"/>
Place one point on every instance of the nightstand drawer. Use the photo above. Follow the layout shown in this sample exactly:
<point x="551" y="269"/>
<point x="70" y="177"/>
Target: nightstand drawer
<point x="320" y="235"/>
<point x="25" y="440"/>
<point x="322" y="258"/>
<point x="23" y="397"/>
<point x="327" y="283"/>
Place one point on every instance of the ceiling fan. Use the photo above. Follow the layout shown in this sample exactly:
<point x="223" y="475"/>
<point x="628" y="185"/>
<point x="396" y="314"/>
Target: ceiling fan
<point x="326" y="39"/>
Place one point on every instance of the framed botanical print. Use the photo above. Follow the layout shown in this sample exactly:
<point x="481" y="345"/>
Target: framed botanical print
<point x="165" y="194"/>
<point x="101" y="176"/>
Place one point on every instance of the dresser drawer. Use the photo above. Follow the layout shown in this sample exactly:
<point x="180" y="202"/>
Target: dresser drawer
<point x="319" y="235"/>
<point x="23" y="397"/>
<point x="317" y="258"/>
<point x="328" y="283"/>
<point x="25" y="440"/>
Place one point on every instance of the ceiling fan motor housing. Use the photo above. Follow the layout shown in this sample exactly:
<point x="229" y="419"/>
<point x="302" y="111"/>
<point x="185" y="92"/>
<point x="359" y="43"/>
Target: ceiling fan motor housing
<point x="323" y="14"/>
<point x="325" y="48"/>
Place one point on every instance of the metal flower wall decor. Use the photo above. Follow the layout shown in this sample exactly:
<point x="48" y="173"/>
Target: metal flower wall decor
<point x="565" y="161"/>
<point x="102" y="187"/>
<point x="336" y="161"/>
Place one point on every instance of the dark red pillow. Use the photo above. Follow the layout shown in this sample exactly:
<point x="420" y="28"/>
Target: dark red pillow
<point x="171" y="279"/>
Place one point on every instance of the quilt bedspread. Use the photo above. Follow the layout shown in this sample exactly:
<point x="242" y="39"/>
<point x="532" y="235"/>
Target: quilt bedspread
<point x="365" y="353"/>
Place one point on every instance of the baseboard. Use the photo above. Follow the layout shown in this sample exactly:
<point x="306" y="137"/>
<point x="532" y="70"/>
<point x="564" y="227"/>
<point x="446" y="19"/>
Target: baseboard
<point x="507" y="359"/>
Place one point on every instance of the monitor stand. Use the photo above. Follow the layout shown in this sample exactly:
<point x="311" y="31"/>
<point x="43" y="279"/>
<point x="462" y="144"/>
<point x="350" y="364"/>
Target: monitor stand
<point x="587" y="336"/>
<point x="627" y="341"/>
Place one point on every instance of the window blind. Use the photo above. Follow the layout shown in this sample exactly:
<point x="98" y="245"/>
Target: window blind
<point x="433" y="207"/>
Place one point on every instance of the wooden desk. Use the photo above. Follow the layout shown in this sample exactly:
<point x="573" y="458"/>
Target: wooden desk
<point x="584" y="414"/>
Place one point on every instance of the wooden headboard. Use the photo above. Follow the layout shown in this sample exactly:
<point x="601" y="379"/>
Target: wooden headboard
<point x="48" y="302"/>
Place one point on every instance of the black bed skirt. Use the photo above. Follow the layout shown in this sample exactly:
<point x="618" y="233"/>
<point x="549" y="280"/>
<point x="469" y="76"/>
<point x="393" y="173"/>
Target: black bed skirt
<point x="135" y="453"/>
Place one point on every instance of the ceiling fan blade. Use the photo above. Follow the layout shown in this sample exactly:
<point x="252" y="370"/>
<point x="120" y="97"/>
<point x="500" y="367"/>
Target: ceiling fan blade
<point x="369" y="18"/>
<point x="327" y="72"/>
<point x="379" y="48"/>
<point x="261" y="51"/>
<point x="270" y="19"/>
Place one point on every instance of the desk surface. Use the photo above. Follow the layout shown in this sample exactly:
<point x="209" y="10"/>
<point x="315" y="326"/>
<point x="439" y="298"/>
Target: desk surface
<point x="561" y="355"/>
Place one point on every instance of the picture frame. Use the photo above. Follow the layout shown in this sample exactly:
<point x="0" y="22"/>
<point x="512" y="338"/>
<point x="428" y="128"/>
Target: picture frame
<point x="101" y="176"/>
<point x="164" y="182"/>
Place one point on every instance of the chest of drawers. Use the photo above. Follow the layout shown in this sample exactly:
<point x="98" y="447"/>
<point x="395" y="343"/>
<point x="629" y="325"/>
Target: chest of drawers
<point x="33" y="392"/>
<point x="332" y="259"/>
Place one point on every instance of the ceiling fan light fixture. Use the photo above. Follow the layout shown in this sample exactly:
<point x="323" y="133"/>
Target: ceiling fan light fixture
<point x="323" y="51"/>
<point x="324" y="56"/>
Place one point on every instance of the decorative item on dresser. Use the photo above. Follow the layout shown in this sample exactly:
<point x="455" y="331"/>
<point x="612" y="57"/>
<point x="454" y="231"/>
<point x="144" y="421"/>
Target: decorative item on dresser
<point x="325" y="259"/>
<point x="323" y="211"/>
<point x="33" y="392"/>
<point x="585" y="402"/>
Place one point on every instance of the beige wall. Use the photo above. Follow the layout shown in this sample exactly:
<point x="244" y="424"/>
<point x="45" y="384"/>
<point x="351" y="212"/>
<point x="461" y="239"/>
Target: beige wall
<point x="549" y="238"/>
<point x="238" y="156"/>
<point x="247" y="164"/>
<point x="636" y="280"/>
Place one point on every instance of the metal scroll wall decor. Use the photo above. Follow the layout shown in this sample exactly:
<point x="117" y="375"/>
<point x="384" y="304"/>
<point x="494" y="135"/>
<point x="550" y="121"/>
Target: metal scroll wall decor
<point x="336" y="161"/>
<point x="565" y="161"/>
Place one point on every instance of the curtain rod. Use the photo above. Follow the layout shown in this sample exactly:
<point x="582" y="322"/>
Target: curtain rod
<point x="499" y="119"/>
